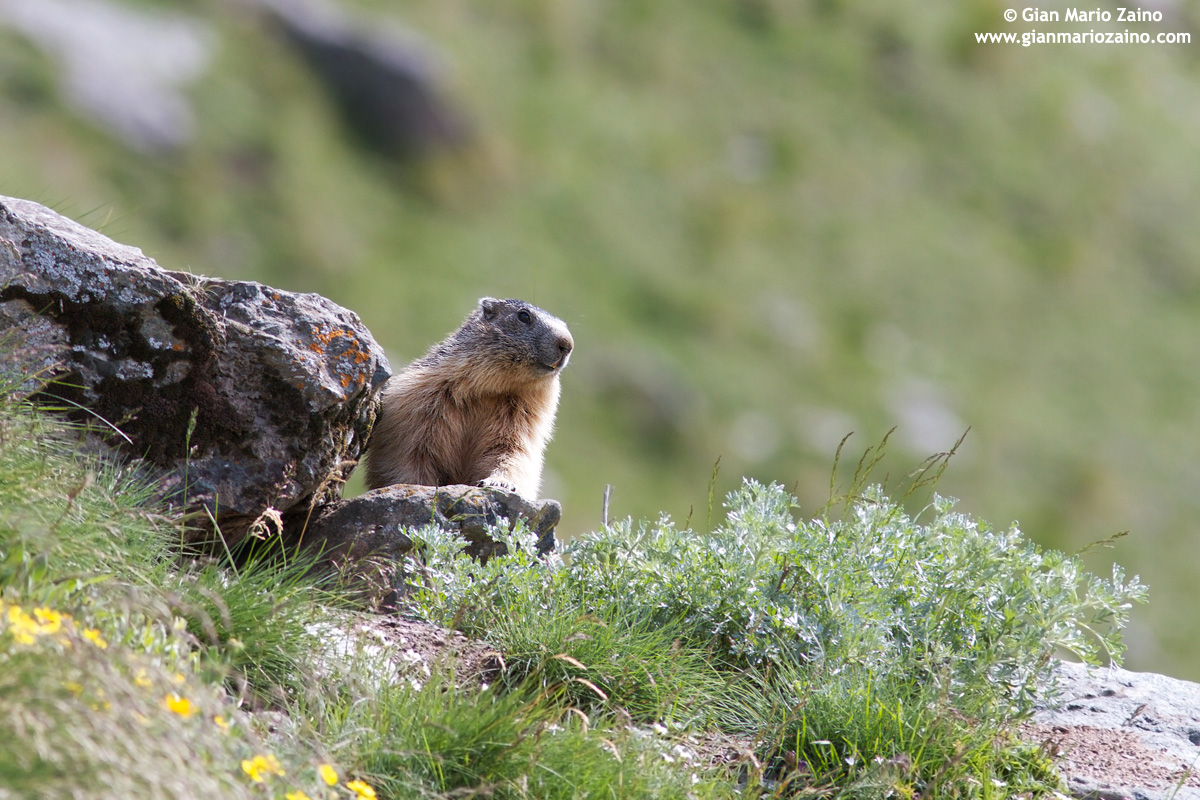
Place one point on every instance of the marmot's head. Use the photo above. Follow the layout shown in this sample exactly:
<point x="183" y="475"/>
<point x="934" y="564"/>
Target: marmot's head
<point x="525" y="335"/>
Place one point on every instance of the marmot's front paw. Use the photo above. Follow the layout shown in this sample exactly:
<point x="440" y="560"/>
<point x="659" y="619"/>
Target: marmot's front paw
<point x="498" y="483"/>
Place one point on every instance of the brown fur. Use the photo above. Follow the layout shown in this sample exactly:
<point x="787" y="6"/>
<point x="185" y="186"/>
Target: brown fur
<point x="478" y="408"/>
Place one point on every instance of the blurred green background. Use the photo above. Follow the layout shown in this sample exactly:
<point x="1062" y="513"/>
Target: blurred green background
<point x="768" y="223"/>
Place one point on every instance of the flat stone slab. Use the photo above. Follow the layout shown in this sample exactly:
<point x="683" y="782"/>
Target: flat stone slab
<point x="1124" y="735"/>
<point x="364" y="539"/>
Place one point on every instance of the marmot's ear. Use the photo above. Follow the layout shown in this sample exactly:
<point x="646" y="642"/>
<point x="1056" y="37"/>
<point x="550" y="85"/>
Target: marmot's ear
<point x="489" y="307"/>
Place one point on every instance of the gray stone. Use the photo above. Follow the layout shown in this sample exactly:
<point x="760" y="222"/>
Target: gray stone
<point x="1124" y="734"/>
<point x="363" y="539"/>
<point x="124" y="67"/>
<point x="250" y="401"/>
<point x="384" y="80"/>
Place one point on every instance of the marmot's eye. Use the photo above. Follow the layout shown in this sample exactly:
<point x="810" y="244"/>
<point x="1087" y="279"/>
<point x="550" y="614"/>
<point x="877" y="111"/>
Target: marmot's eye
<point x="525" y="316"/>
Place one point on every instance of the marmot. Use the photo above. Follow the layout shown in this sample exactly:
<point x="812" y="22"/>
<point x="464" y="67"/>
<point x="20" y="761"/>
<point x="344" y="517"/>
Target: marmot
<point x="478" y="408"/>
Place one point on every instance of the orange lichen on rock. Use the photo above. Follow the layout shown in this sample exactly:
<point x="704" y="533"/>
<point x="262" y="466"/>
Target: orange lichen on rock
<point x="353" y="350"/>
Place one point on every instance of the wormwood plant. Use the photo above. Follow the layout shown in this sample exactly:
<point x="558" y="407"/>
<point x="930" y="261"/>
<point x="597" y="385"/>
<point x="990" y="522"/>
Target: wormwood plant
<point x="948" y="600"/>
<point x="884" y="650"/>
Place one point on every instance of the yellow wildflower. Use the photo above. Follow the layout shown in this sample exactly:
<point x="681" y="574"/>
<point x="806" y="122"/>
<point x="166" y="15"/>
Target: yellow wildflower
<point x="93" y="636"/>
<point x="261" y="767"/>
<point x="178" y="679"/>
<point x="23" y="626"/>
<point x="44" y="621"/>
<point x="25" y="633"/>
<point x="22" y="636"/>
<point x="49" y="620"/>
<point x="296" y="795"/>
<point x="74" y="688"/>
<point x="362" y="789"/>
<point x="221" y="723"/>
<point x="180" y="705"/>
<point x="328" y="774"/>
<point x="142" y="680"/>
<point x="253" y="768"/>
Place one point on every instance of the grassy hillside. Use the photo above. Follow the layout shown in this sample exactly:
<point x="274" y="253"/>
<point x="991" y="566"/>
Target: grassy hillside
<point x="767" y="223"/>
<point x="861" y="654"/>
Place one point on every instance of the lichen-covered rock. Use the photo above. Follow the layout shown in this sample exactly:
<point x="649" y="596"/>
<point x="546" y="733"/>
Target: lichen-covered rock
<point x="362" y="539"/>
<point x="250" y="400"/>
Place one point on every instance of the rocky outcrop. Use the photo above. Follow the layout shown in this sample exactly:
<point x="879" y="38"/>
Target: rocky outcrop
<point x="249" y="401"/>
<point x="251" y="404"/>
<point x="1122" y="735"/>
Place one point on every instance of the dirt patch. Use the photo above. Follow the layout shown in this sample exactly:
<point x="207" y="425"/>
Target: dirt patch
<point x="420" y="648"/>
<point x="1112" y="764"/>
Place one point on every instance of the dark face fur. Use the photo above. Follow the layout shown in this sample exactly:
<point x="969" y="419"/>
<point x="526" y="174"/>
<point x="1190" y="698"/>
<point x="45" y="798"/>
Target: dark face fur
<point x="548" y="335"/>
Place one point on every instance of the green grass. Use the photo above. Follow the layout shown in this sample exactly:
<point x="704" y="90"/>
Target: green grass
<point x="253" y="623"/>
<point x="84" y="695"/>
<point x="441" y="741"/>
<point x="845" y="656"/>
<point x="596" y="654"/>
<point x="132" y="669"/>
<point x="860" y="734"/>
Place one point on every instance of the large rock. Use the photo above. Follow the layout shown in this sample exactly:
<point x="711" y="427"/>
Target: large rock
<point x="251" y="401"/>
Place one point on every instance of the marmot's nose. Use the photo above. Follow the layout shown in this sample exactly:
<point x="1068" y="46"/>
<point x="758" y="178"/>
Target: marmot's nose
<point x="565" y="346"/>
